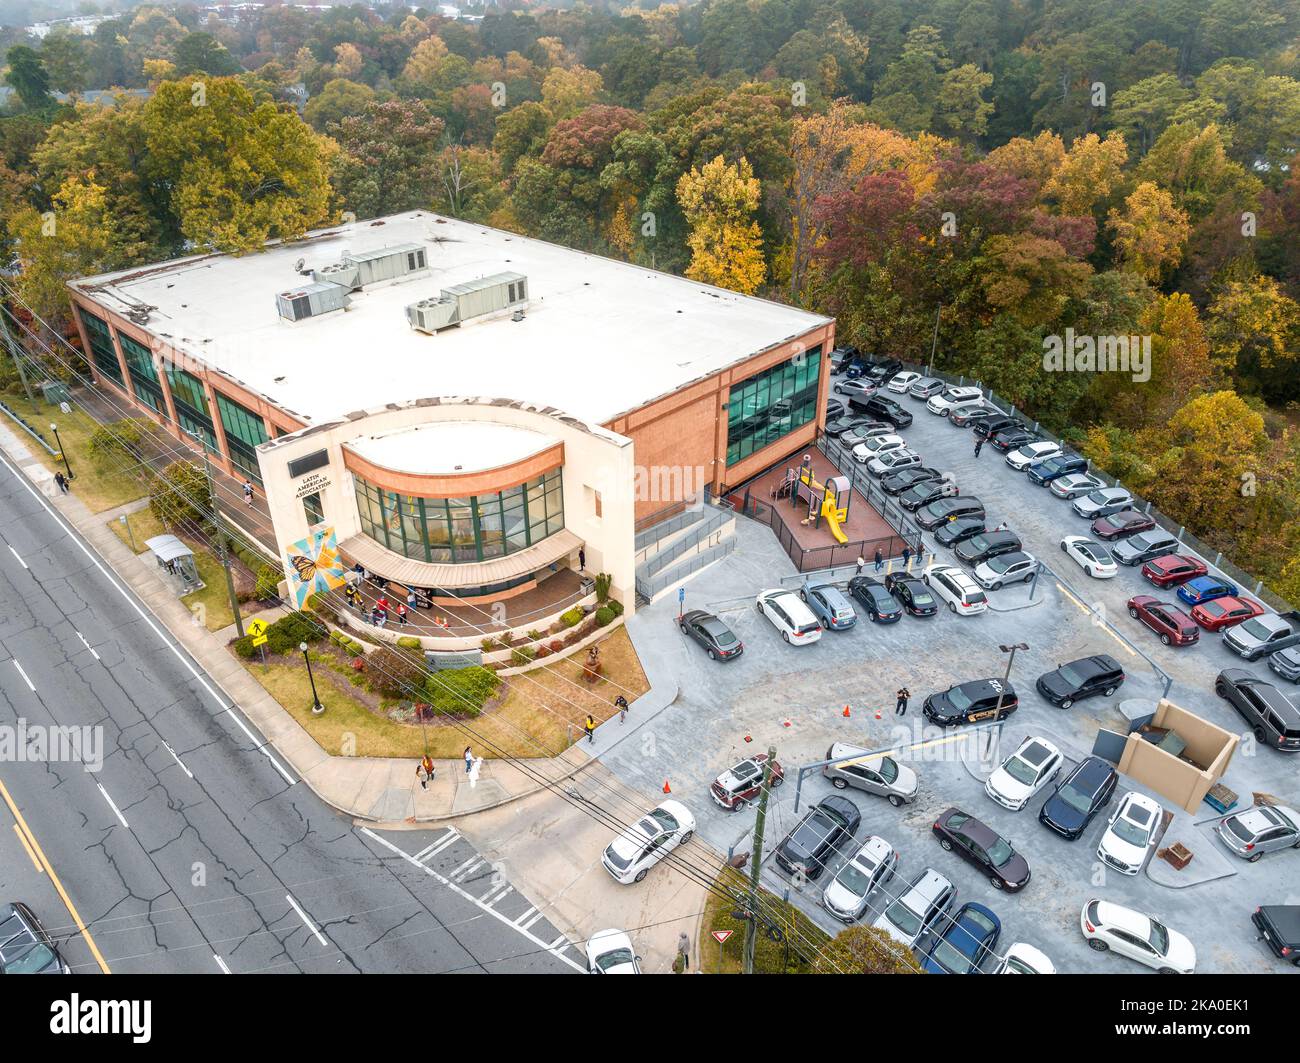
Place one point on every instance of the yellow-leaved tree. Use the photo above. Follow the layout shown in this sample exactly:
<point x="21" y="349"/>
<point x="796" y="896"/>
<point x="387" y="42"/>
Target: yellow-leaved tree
<point x="718" y="202"/>
<point x="1149" y="232"/>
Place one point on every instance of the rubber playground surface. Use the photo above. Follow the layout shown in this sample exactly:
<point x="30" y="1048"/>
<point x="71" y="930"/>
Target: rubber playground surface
<point x="862" y="521"/>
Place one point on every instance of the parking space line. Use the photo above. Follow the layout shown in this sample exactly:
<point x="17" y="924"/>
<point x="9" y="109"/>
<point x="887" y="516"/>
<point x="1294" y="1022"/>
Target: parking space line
<point x="533" y="921"/>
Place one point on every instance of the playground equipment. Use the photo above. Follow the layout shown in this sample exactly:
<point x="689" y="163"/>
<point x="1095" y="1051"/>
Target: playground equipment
<point x="829" y="500"/>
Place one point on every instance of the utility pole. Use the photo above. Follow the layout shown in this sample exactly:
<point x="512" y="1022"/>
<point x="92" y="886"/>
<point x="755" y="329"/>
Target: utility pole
<point x="222" y="556"/>
<point x="12" y="344"/>
<point x="756" y="863"/>
<point x="934" y="343"/>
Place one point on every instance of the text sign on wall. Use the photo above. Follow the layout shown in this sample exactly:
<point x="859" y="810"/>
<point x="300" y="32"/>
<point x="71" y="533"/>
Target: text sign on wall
<point x="311" y="484"/>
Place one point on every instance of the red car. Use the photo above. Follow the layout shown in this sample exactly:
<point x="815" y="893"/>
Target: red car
<point x="1174" y="627"/>
<point x="1219" y="613"/>
<point x="1173" y="569"/>
<point x="740" y="785"/>
<point x="1121" y="525"/>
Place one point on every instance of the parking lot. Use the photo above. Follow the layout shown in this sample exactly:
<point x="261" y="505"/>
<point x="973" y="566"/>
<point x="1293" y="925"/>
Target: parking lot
<point x="794" y="699"/>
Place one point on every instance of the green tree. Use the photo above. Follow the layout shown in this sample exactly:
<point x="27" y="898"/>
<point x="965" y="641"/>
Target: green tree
<point x="178" y="496"/>
<point x="389" y="158"/>
<point x="864" y="950"/>
<point x="28" y="77"/>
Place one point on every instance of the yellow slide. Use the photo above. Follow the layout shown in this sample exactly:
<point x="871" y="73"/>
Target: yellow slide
<point x="833" y="517"/>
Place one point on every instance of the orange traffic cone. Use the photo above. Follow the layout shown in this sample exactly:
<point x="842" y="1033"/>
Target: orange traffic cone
<point x="846" y="712"/>
<point x="786" y="723"/>
<point x="878" y="716"/>
<point x="749" y="738"/>
<point x="667" y="789"/>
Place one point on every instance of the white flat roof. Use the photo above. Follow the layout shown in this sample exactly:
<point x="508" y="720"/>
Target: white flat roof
<point x="443" y="448"/>
<point x="600" y="337"/>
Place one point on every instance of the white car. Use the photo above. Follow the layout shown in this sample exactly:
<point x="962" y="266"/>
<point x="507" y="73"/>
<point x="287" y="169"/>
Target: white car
<point x="950" y="584"/>
<point x="877" y="445"/>
<point x="860" y="388"/>
<point x="611" y="952"/>
<point x="1022" y="457"/>
<point x="631" y="855"/>
<point x="790" y="616"/>
<point x="1113" y="928"/>
<point x="944" y="402"/>
<point x="900" y="382"/>
<point x="1130" y="834"/>
<point x="892" y="461"/>
<point x="1075" y="484"/>
<point x="997" y="572"/>
<point x="1102" y="502"/>
<point x="1090" y="556"/>
<point x="1021" y="958"/>
<point x="845" y="896"/>
<point x="1034" y="764"/>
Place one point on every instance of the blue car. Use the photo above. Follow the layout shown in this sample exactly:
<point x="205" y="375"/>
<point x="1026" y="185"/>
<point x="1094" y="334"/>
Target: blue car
<point x="833" y="611"/>
<point x="1205" y="589"/>
<point x="966" y="939"/>
<point x="881" y="606"/>
<point x="1049" y="469"/>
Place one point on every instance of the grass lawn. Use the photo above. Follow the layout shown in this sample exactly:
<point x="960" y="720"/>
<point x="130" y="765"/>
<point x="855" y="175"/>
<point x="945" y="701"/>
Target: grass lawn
<point x="518" y="726"/>
<point x="101" y="483"/>
<point x="214" y="598"/>
<point x="769" y="956"/>
<point x="144" y="526"/>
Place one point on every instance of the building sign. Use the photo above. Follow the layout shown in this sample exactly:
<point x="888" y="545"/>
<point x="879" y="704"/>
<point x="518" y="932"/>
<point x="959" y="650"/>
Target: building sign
<point x="317" y="481"/>
<point x="315" y="566"/>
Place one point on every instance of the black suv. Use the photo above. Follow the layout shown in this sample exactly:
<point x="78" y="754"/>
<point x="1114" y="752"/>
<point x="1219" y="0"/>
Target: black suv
<point x="972" y="702"/>
<point x="882" y="408"/>
<point x="989" y="425"/>
<point x="817" y="836"/>
<point x="985" y="545"/>
<point x="925" y="492"/>
<point x="895" y="483"/>
<point x="1078" y="797"/>
<point x="1083" y="678"/>
<point x="1279" y="925"/>
<point x="1006" y="439"/>
<point x="1275" y="721"/>
<point x="931" y="515"/>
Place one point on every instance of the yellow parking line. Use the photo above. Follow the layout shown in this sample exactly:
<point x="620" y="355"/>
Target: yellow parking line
<point x="1127" y="648"/>
<point x="30" y="851"/>
<point x="33" y="847"/>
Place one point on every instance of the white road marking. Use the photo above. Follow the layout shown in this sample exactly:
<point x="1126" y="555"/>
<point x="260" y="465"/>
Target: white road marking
<point x="87" y="645"/>
<point x="464" y="875"/>
<point x="443" y="843"/>
<point x="303" y="916"/>
<point x="559" y="955"/>
<point x="178" y="760"/>
<point x="20" y="560"/>
<point x="520" y="920"/>
<point x="222" y="964"/>
<point x="116" y="811"/>
<point x="455" y="872"/>
<point x="556" y="942"/>
<point x="496" y="895"/>
<point x="532" y="922"/>
<point x="259" y="745"/>
<point x="30" y="685"/>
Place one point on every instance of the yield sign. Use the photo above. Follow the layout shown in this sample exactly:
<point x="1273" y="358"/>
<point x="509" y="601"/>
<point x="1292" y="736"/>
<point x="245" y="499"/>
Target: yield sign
<point x="721" y="935"/>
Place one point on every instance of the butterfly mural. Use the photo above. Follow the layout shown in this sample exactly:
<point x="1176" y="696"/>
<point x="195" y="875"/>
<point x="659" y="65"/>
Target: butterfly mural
<point x="315" y="566"/>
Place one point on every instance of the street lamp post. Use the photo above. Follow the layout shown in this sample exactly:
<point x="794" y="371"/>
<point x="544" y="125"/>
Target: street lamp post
<point x="1006" y="676"/>
<point x="62" y="453"/>
<point x="316" y="707"/>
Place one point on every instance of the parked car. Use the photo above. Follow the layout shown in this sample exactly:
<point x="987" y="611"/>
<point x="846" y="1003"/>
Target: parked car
<point x="861" y="387"/>
<point x="718" y="640"/>
<point x="926" y="387"/>
<point x="925" y="492"/>
<point x="1261" y="829"/>
<point x="1035" y="764"/>
<point x="975" y="701"/>
<point x="1279" y="927"/>
<point x="789" y="616"/>
<point x="1271" y="715"/>
<point x="957" y="590"/>
<point x="884" y="370"/>
<point x="877" y="445"/>
<point x="1172" y="569"/>
<point x="1102" y="502"/>
<point x="966" y="415"/>
<point x="864" y="430"/>
<point x="1138" y="549"/>
<point x="881" y="607"/>
<point x="1090" y="556"/>
<point x="1021" y="958"/>
<point x="25" y="946"/>
<point x="895" y="483"/>
<point x="842" y="358"/>
<point x="874" y="774"/>
<point x="1121" y="525"/>
<point x="985" y="545"/>
<point x="815" y="838"/>
<point x="949" y="398"/>
<point x="979" y="844"/>
<point x="1111" y="927"/>
<point x="1026" y="454"/>
<point x="1078" y="798"/>
<point x="845" y="422"/>
<point x="845" y="896"/>
<point x="911" y="594"/>
<point x="611" y="952"/>
<point x="1085" y="678"/>
<point x="741" y="784"/>
<point x="882" y="408"/>
<point x="1286" y="663"/>
<point x="1006" y="439"/>
<point x="833" y="611"/>
<point x="1076" y="485"/>
<point x="834" y="408"/>
<point x="900" y="383"/>
<point x="933" y="514"/>
<point x="1221" y="613"/>
<point x="638" y="847"/>
<point x="1206" y="589"/>
<point x="1130" y="833"/>
<point x="1174" y="627"/>
<point x="958" y="531"/>
<point x="964" y="941"/>
<point x="992" y="425"/>
<point x="1052" y="469"/>
<point x="1264" y="635"/>
<point x="1001" y="569"/>
<point x="918" y="908"/>
<point x="893" y="461"/>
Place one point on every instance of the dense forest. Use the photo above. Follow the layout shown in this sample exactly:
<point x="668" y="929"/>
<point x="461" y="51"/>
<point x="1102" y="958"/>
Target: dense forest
<point x="987" y="172"/>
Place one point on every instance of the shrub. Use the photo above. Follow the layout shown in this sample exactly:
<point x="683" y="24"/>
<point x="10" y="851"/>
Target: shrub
<point x="572" y="616"/>
<point x="543" y="651"/>
<point x="535" y="636"/>
<point x="489" y="644"/>
<point x="267" y="587"/>
<point x="409" y="642"/>
<point x="338" y="638"/>
<point x="572" y="638"/>
<point x="522" y="655"/>
<point x="120" y="438"/>
<point x="395" y="674"/>
<point x="462" y="691"/>
<point x="556" y="645"/>
<point x="356" y="646"/>
<point x="604" y="615"/>
<point x="284" y="636"/>
<point x="615" y="605"/>
<point x="603" y="582"/>
<point x="179" y="494"/>
<point x="244" y="647"/>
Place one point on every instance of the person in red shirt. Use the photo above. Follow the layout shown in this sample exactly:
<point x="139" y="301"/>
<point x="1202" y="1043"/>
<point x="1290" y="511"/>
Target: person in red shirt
<point x="401" y="613"/>
<point x="382" y="603"/>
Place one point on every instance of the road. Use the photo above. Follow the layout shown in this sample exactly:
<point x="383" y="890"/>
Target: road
<point x="193" y="848"/>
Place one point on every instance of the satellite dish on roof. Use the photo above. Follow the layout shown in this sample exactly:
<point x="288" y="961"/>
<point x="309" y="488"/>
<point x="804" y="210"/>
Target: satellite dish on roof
<point x="297" y="266"/>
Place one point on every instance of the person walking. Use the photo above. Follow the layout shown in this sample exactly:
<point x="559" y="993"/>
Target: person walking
<point x="412" y="599"/>
<point x="620" y="703"/>
<point x="880" y="559"/>
<point x="862" y="563"/>
<point x="469" y="760"/>
<point x="62" y="481"/>
<point x="907" y="555"/>
<point x="590" y="728"/>
<point x="683" y="953"/>
<point x="582" y="559"/>
<point x="401" y="613"/>
<point x="424" y="772"/>
<point x="350" y="593"/>
<point x="900" y="706"/>
<point x="248" y="493"/>
<point x="979" y="445"/>
<point x="920" y="550"/>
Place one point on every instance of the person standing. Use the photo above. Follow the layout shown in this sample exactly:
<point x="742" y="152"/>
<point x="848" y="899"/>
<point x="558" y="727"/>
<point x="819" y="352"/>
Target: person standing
<point x="683" y="953"/>
<point x="590" y="728"/>
<point x="900" y="706"/>
<point x="424" y="772"/>
<point x="62" y="481"/>
<point x="862" y="563"/>
<point x="920" y="549"/>
<point x="582" y="559"/>
<point x="620" y="703"/>
<point x="401" y="613"/>
<point x="880" y="559"/>
<point x="469" y="760"/>
<point x="979" y="445"/>
<point x="248" y="493"/>
<point x="907" y="555"/>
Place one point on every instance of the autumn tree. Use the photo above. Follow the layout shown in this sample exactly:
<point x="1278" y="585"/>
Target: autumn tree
<point x="1090" y="172"/>
<point x="864" y="950"/>
<point x="388" y="162"/>
<point x="1149" y="231"/>
<point x="719" y="201"/>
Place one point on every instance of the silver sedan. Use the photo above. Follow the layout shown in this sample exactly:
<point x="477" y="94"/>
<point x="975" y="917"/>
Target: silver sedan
<point x="1262" y="829"/>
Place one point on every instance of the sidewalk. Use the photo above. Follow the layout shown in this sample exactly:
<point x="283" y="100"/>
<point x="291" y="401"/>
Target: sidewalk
<point x="377" y="790"/>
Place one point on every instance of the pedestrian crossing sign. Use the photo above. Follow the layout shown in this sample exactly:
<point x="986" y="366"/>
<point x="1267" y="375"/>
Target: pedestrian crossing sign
<point x="258" y="630"/>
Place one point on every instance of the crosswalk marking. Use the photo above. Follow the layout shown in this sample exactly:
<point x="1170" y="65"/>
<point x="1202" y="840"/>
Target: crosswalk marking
<point x="463" y="872"/>
<point x="520" y="920"/>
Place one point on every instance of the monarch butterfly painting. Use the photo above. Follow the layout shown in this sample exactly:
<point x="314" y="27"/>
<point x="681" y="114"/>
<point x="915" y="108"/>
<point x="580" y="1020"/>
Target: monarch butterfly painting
<point x="315" y="566"/>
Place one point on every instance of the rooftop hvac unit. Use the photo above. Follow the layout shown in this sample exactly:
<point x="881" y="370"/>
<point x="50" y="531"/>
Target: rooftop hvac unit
<point x="311" y="301"/>
<point x="461" y="302"/>
<point x="345" y="274"/>
<point x="355" y="270"/>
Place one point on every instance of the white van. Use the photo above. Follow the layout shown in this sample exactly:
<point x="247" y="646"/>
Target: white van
<point x="789" y="616"/>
